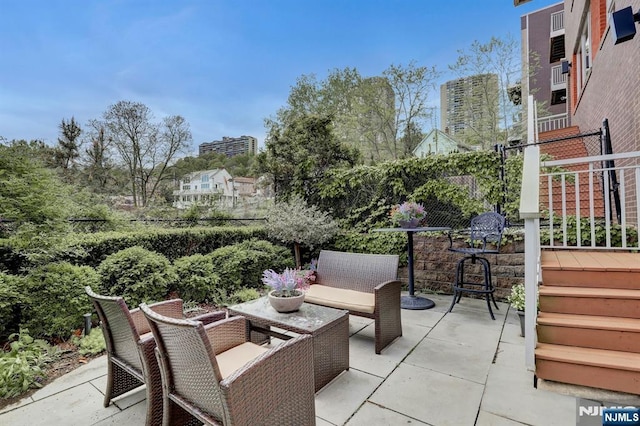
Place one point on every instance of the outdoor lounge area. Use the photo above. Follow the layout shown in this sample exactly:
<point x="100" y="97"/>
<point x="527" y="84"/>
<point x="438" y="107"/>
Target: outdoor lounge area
<point x="457" y="368"/>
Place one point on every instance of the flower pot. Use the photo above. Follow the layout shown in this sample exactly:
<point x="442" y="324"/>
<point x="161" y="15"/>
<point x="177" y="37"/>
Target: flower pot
<point x="521" y="317"/>
<point x="411" y="223"/>
<point x="286" y="304"/>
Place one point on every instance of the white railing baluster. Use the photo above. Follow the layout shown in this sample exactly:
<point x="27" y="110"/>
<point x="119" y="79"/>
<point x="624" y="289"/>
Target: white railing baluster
<point x="592" y="213"/>
<point x="564" y="209"/>
<point x="623" y="209"/>
<point x="578" y="213"/>
<point x="607" y="207"/>
<point x="551" y="215"/>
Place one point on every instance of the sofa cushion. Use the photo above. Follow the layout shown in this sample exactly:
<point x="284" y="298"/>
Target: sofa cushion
<point x="341" y="298"/>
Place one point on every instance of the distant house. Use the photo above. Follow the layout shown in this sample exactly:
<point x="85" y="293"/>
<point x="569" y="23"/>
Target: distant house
<point x="438" y="142"/>
<point x="205" y="188"/>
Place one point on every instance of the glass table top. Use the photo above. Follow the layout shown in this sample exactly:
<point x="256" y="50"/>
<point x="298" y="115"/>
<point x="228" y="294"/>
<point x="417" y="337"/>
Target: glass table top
<point x="309" y="317"/>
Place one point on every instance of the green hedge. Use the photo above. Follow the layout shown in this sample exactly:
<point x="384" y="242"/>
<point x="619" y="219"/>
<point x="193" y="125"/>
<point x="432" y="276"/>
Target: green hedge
<point x="92" y="249"/>
<point x="54" y="300"/>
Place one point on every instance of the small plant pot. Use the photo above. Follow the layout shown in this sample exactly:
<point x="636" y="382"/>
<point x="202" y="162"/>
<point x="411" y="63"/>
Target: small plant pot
<point x="521" y="317"/>
<point x="286" y="304"/>
<point x="412" y="223"/>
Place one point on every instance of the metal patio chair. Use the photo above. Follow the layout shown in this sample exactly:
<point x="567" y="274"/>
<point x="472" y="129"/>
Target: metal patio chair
<point x="485" y="236"/>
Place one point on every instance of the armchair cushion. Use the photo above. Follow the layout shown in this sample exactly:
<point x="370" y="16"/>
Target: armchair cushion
<point x="235" y="358"/>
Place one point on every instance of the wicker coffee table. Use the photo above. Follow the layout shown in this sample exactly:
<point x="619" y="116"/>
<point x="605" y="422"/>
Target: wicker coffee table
<point x="329" y="328"/>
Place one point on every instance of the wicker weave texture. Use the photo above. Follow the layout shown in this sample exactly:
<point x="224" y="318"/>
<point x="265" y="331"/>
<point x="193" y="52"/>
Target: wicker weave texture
<point x="371" y="273"/>
<point x="131" y="361"/>
<point x="355" y="271"/>
<point x="275" y="388"/>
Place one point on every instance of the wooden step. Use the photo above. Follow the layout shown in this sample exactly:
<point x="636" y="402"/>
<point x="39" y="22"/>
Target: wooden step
<point x="597" y="368"/>
<point x="591" y="269"/>
<point x="588" y="331"/>
<point x="611" y="302"/>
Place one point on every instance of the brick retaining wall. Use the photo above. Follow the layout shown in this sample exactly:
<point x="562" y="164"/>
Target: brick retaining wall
<point x="434" y="266"/>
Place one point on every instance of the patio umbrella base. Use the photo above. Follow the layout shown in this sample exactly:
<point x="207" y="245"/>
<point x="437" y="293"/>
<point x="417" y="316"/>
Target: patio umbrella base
<point x="416" y="302"/>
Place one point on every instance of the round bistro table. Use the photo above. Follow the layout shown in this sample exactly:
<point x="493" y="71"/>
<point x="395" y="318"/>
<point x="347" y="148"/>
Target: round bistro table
<point x="412" y="301"/>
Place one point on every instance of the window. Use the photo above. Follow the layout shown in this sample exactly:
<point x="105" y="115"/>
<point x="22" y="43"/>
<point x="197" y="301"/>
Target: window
<point x="186" y="187"/>
<point x="205" y="178"/>
<point x="584" y="52"/>
<point x="204" y="186"/>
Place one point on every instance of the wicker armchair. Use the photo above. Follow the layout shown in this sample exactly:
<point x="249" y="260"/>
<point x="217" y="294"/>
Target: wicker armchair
<point x="130" y="348"/>
<point x="213" y="374"/>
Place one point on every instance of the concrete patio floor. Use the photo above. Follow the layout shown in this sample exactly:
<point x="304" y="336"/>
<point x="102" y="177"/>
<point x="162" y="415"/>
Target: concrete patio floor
<point x="460" y="368"/>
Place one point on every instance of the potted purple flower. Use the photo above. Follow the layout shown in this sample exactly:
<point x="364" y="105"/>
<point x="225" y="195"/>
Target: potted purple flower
<point x="287" y="288"/>
<point x="408" y="214"/>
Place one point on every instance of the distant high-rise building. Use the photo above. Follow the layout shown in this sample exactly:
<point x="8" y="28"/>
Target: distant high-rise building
<point x="230" y="146"/>
<point x="467" y="103"/>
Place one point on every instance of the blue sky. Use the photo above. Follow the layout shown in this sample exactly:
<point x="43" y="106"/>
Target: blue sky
<point x="224" y="65"/>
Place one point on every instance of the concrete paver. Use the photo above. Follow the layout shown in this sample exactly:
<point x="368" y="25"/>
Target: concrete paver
<point x="460" y="368"/>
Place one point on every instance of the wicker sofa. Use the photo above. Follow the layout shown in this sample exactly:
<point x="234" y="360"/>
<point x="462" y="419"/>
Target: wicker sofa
<point x="364" y="284"/>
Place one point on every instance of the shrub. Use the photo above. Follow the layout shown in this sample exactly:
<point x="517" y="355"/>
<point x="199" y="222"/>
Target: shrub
<point x="241" y="265"/>
<point x="137" y="275"/>
<point x="55" y="300"/>
<point x="91" y="344"/>
<point x="21" y="366"/>
<point x="10" y="301"/>
<point x="244" y="295"/>
<point x="296" y="223"/>
<point x="196" y="278"/>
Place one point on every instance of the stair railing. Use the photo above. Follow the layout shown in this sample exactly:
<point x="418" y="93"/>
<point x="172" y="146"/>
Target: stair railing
<point x="580" y="195"/>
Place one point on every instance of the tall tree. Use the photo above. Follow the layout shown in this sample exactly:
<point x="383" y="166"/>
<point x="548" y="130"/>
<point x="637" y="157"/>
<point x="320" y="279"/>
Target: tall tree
<point x="68" y="149"/>
<point x="494" y="122"/>
<point x="370" y="114"/>
<point x="298" y="156"/>
<point x="144" y="147"/>
<point x="97" y="159"/>
<point x="411" y="85"/>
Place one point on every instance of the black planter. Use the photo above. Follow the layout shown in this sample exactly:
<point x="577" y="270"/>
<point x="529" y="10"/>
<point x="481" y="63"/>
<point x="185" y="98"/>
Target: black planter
<point x="521" y="317"/>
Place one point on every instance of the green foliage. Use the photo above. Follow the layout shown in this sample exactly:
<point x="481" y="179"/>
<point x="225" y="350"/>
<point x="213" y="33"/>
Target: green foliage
<point x="298" y="155"/>
<point x="10" y="300"/>
<point x="599" y="228"/>
<point x="21" y="367"/>
<point x="363" y="196"/>
<point x="92" y="344"/>
<point x="516" y="298"/>
<point x="296" y="222"/>
<point x="91" y="249"/>
<point x="31" y="195"/>
<point x="244" y="295"/>
<point x="196" y="278"/>
<point x="241" y="265"/>
<point x="374" y="242"/>
<point x="137" y="275"/>
<point x="55" y="300"/>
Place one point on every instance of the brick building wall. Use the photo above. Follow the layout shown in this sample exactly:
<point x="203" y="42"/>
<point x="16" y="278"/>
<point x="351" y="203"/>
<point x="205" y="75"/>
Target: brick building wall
<point x="612" y="88"/>
<point x="435" y="266"/>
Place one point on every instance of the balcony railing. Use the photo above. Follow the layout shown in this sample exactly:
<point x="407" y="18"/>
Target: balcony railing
<point x="552" y="122"/>
<point x="557" y="23"/>
<point x="558" y="79"/>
